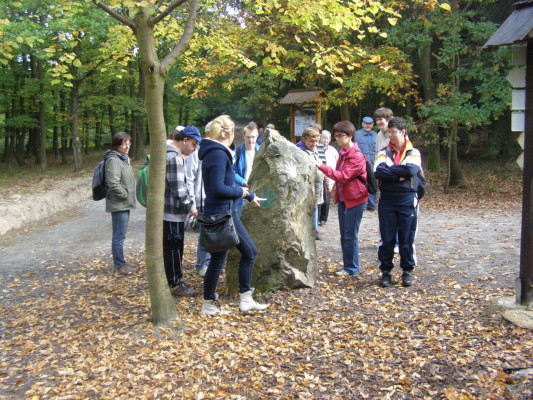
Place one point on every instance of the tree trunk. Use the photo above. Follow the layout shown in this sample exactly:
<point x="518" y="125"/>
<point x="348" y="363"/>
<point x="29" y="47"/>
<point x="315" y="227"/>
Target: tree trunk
<point x="455" y="173"/>
<point x="62" y="111"/>
<point x="8" y="156"/>
<point x="86" y="132"/>
<point x="35" y="133"/>
<point x="163" y="308"/>
<point x="139" y="120"/>
<point x="432" y="132"/>
<point x="112" y="92"/>
<point x="18" y="139"/>
<point x="98" y="134"/>
<point x="74" y="128"/>
<point x="55" y="138"/>
<point x="42" y="116"/>
<point x="345" y="112"/>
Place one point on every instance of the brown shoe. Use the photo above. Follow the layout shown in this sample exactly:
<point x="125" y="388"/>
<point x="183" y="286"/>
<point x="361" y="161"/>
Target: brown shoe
<point x="182" y="290"/>
<point x="125" y="270"/>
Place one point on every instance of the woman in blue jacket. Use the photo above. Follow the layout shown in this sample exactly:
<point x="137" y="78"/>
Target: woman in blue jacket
<point x="220" y="191"/>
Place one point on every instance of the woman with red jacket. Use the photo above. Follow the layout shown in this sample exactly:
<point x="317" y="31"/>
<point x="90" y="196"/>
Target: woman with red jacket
<point x="350" y="193"/>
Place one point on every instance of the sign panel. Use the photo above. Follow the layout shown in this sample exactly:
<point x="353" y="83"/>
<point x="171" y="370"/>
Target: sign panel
<point x="518" y="121"/>
<point x="521" y="140"/>
<point x="303" y="117"/>
<point x="519" y="100"/>
<point x="519" y="55"/>
<point x="520" y="160"/>
<point x="517" y="78"/>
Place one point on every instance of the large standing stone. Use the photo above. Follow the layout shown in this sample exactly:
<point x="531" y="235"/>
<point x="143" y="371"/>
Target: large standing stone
<point x="282" y="228"/>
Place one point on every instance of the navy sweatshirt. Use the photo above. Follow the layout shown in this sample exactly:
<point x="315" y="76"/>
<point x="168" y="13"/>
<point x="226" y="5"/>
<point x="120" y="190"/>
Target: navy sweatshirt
<point x="219" y="177"/>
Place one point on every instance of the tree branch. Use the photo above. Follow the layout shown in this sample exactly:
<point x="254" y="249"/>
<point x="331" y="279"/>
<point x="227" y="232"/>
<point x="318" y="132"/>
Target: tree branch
<point x="121" y="18"/>
<point x="185" y="39"/>
<point x="168" y="10"/>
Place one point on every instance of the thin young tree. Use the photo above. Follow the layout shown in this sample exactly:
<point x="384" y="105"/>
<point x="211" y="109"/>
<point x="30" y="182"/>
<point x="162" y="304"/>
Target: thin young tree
<point x="145" y="17"/>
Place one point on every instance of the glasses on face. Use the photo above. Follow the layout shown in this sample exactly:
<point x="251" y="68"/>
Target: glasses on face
<point x="392" y="132"/>
<point x="193" y="142"/>
<point x="127" y="144"/>
<point x="340" y="135"/>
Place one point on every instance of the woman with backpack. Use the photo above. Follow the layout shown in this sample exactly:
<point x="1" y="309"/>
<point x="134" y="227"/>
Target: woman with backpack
<point x="120" y="199"/>
<point x="350" y="195"/>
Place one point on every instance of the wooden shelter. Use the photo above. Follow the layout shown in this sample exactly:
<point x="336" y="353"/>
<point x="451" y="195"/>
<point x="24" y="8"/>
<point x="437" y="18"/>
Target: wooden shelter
<point x="304" y="109"/>
<point x="517" y="30"/>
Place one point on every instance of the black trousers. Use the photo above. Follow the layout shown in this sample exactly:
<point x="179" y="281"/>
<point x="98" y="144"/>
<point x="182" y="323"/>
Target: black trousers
<point x="173" y="235"/>
<point x="323" y="209"/>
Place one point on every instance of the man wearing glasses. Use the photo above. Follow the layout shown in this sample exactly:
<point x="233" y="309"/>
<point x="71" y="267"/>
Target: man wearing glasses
<point x="396" y="167"/>
<point x="178" y="205"/>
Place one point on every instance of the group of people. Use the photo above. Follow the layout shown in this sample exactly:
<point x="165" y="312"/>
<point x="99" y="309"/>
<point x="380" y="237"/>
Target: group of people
<point x="206" y="175"/>
<point x="207" y="180"/>
<point x="396" y="164"/>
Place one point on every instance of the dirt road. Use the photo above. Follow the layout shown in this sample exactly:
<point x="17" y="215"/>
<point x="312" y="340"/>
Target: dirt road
<point x="469" y="245"/>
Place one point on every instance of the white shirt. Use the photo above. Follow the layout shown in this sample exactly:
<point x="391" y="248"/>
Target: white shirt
<point x="382" y="140"/>
<point x="250" y="154"/>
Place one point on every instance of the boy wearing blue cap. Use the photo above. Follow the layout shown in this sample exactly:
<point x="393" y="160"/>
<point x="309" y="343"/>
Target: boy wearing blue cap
<point x="366" y="140"/>
<point x="178" y="206"/>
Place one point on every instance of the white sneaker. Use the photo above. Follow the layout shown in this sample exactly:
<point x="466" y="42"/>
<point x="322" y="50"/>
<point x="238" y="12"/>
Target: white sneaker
<point x="342" y="272"/>
<point x="396" y="250"/>
<point x="247" y="303"/>
<point x="213" y="307"/>
<point x="202" y="271"/>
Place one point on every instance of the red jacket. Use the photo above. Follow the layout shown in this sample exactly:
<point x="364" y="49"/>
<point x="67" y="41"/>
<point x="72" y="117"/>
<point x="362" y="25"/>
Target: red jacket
<point x="350" y="165"/>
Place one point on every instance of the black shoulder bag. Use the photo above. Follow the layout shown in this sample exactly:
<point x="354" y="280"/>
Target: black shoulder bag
<point x="217" y="231"/>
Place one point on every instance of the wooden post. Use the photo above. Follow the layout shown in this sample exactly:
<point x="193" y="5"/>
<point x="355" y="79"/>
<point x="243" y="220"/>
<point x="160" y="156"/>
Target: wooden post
<point x="525" y="293"/>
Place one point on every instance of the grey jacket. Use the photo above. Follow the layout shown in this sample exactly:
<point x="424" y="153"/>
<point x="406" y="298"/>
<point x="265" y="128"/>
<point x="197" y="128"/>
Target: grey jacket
<point x="120" y="182"/>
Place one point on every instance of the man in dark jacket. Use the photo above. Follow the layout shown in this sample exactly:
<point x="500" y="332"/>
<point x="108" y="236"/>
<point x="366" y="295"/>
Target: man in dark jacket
<point x="177" y="207"/>
<point x="396" y="167"/>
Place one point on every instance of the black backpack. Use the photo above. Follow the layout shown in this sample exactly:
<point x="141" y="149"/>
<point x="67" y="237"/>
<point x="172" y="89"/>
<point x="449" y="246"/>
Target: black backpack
<point x="99" y="186"/>
<point x="371" y="183"/>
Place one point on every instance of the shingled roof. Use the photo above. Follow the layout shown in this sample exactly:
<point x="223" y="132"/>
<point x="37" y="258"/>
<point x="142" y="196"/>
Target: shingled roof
<point x="303" y="96"/>
<point x="517" y="28"/>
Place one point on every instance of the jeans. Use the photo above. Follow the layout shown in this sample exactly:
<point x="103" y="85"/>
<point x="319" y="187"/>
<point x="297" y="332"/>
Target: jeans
<point x="371" y="201"/>
<point x="398" y="217"/>
<point x="119" y="221"/>
<point x="349" y="221"/>
<point x="173" y="237"/>
<point x="248" y="254"/>
<point x="202" y="257"/>
<point x="238" y="205"/>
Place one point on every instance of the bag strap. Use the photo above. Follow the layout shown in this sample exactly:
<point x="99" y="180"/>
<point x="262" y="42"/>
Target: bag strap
<point x="359" y="176"/>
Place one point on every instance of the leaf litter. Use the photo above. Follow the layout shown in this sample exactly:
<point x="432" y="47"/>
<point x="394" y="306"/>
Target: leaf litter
<point x="83" y="333"/>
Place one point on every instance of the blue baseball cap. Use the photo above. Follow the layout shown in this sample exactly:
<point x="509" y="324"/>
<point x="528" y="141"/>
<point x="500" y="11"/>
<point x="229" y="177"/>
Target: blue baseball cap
<point x="193" y="132"/>
<point x="368" y="120"/>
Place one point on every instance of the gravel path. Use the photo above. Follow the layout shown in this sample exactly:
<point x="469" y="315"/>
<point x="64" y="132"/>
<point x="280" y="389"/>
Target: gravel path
<point x="467" y="244"/>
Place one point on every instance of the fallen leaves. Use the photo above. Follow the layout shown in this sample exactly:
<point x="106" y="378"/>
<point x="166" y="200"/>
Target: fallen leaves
<point x="78" y="332"/>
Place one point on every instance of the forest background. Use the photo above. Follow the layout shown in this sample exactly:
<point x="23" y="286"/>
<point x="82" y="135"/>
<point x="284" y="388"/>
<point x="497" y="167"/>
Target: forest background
<point x="71" y="76"/>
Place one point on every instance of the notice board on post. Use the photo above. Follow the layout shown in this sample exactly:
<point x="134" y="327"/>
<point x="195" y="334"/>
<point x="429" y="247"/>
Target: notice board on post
<point x="305" y="109"/>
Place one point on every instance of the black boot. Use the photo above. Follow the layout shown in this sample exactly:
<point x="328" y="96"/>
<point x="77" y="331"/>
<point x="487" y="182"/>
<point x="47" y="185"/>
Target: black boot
<point x="407" y="279"/>
<point x="386" y="279"/>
